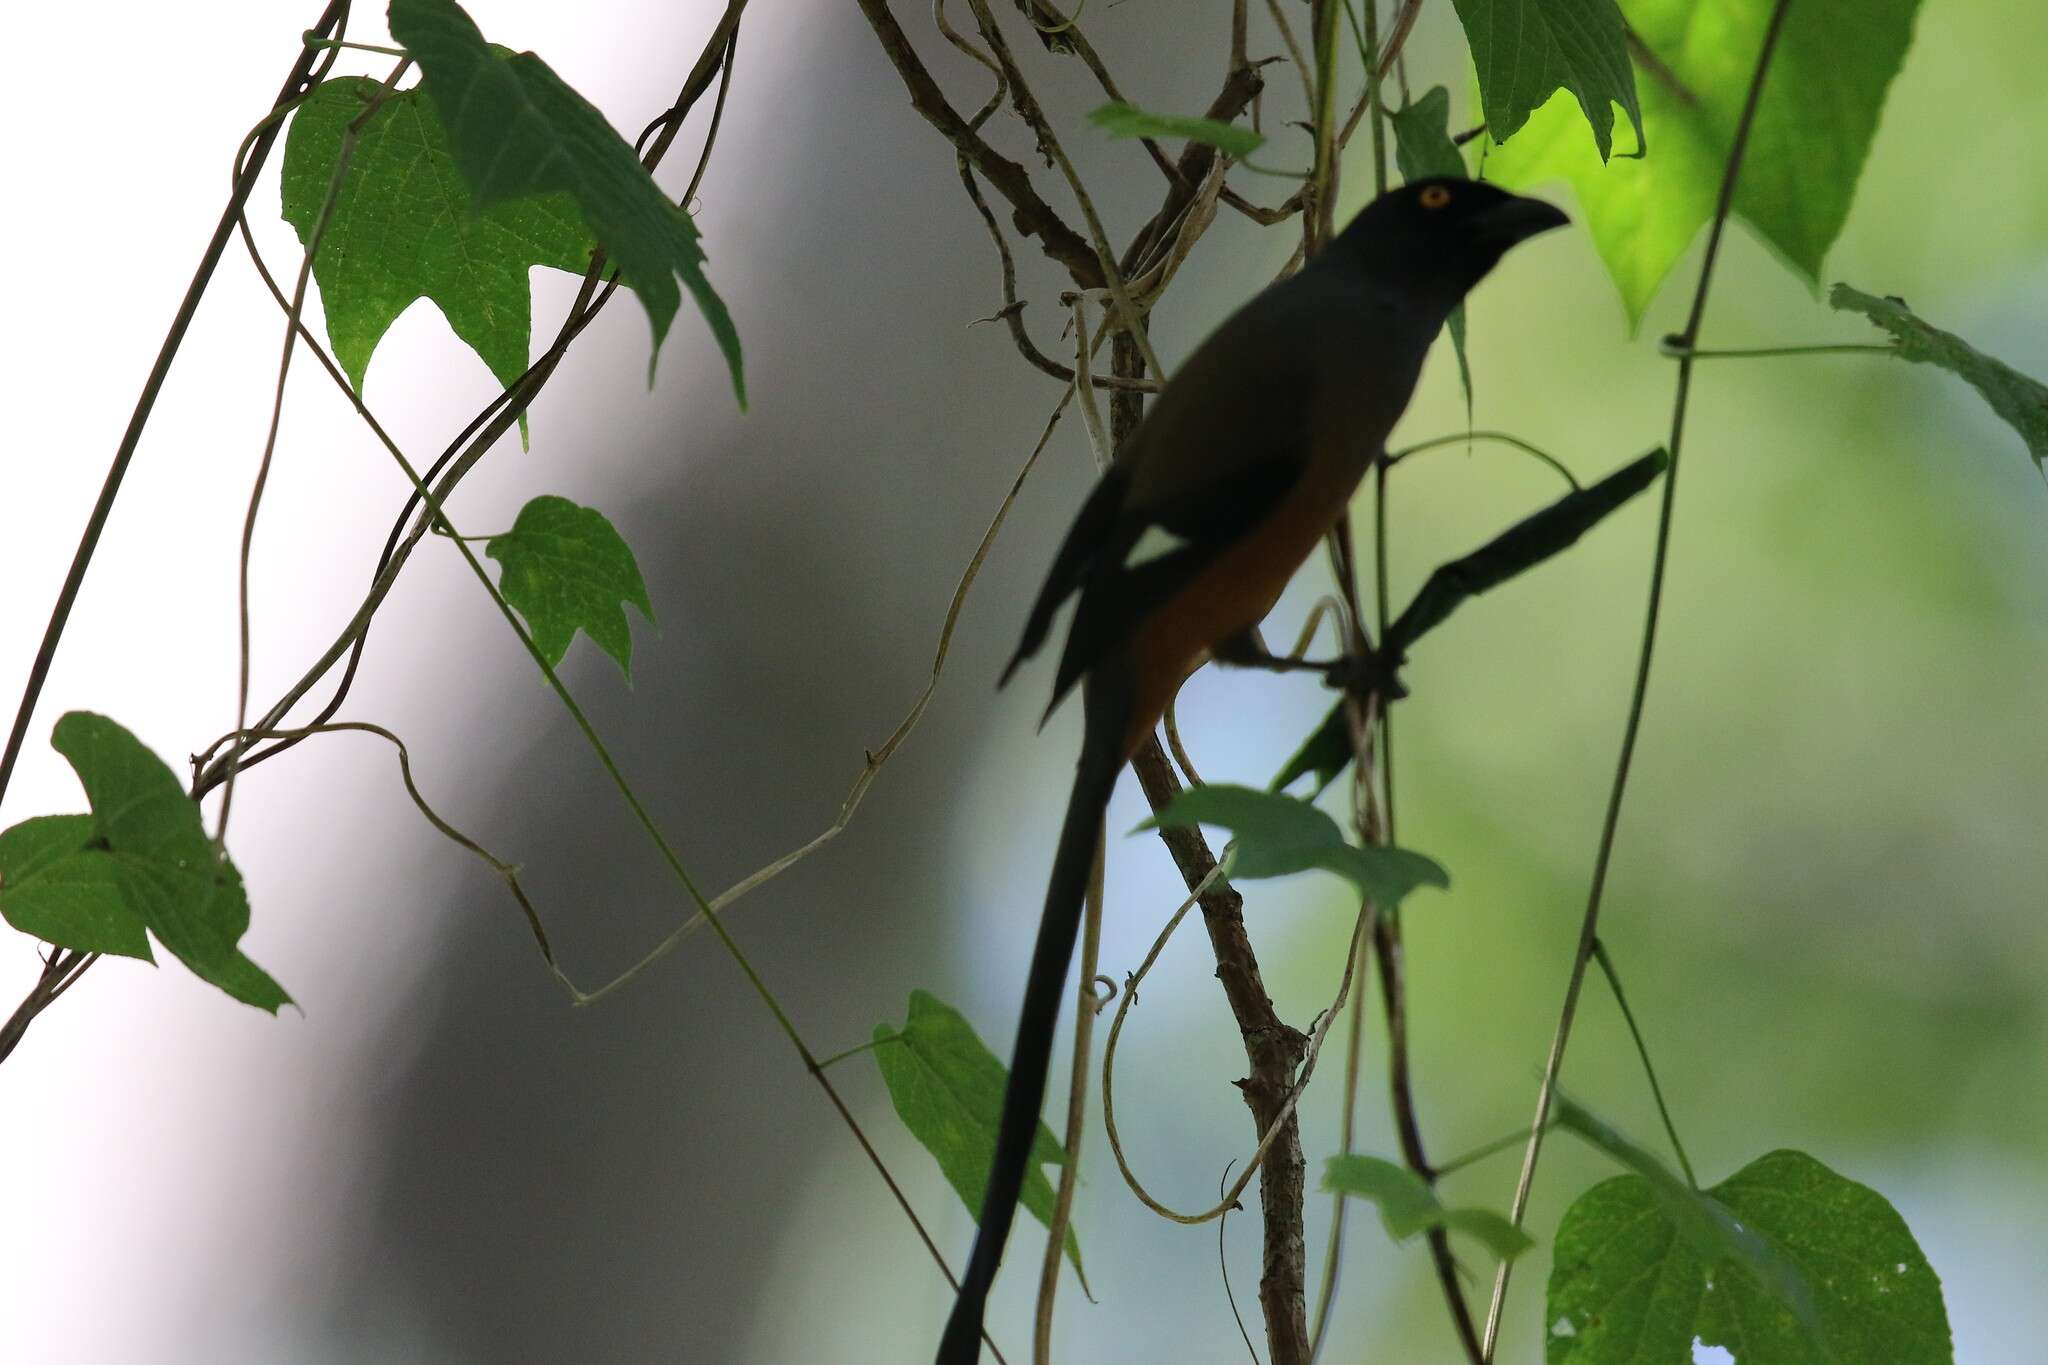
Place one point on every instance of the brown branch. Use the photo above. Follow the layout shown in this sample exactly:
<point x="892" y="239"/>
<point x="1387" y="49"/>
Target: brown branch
<point x="1397" y="36"/>
<point x="1011" y="314"/>
<point x="1240" y="87"/>
<point x="1069" y="32"/>
<point x="1408" y="1125"/>
<point x="1273" y="1049"/>
<point x="1031" y="214"/>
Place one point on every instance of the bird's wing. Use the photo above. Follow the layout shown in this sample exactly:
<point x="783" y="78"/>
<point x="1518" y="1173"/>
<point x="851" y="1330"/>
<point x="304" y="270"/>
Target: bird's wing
<point x="1219" y="450"/>
<point x="1092" y="528"/>
<point x="1165" y="549"/>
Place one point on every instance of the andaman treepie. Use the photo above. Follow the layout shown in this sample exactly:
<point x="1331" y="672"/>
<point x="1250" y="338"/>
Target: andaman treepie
<point x="1245" y="461"/>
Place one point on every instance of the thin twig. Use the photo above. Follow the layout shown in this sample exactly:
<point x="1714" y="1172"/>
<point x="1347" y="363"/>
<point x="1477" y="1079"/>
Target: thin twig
<point x="1271" y="1135"/>
<point x="1294" y="54"/>
<point x="344" y="157"/>
<point x="1026" y="104"/>
<point x="1613" y="975"/>
<point x="482" y="431"/>
<point x="1660" y="559"/>
<point x="1501" y="437"/>
<point x="1034" y="217"/>
<point x="1223" y="1268"/>
<point x="877" y="757"/>
<point x="304" y="75"/>
<point x="1397" y="36"/>
<point x="301" y="79"/>
<point x="732" y="48"/>
<point x="1085" y="1008"/>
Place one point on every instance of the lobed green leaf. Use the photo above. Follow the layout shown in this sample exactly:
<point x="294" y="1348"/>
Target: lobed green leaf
<point x="405" y="227"/>
<point x="1812" y="133"/>
<point x="517" y="129"/>
<point x="1525" y="49"/>
<point x="566" y="568"/>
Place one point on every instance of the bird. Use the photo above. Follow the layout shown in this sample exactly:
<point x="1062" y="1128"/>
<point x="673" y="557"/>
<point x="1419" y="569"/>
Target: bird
<point x="1244" y="462"/>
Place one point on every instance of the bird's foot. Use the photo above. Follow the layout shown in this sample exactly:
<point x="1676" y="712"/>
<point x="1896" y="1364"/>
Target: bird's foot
<point x="1367" y="675"/>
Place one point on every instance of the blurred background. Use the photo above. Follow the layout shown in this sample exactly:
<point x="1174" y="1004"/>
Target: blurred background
<point x="1826" y="904"/>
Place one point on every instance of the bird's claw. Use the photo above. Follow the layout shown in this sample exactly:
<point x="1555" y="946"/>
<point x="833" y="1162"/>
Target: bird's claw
<point x="1367" y="675"/>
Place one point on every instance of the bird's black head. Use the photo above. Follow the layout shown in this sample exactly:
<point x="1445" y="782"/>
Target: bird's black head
<point x="1441" y="236"/>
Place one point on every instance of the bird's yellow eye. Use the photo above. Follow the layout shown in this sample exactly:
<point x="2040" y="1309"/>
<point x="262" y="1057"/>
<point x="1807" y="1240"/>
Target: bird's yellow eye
<point x="1435" y="197"/>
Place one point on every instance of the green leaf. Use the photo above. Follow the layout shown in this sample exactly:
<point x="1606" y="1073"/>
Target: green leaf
<point x="2021" y="401"/>
<point x="1706" y="1225"/>
<point x="1520" y="548"/>
<point x="404" y="227"/>
<point x="1127" y="120"/>
<point x="1325" y="753"/>
<point x="517" y="129"/>
<point x="1628" y="1285"/>
<point x="1525" y="49"/>
<point x="1423" y="149"/>
<point x="1819" y="110"/>
<point x="1275" y="836"/>
<point x="1408" y="1205"/>
<point x="948" y="1090"/>
<point x="567" y="569"/>
<point x="170" y="875"/>
<point x="56" y="884"/>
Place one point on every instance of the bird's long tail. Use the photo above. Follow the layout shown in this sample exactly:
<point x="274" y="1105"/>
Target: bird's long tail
<point x="1072" y="864"/>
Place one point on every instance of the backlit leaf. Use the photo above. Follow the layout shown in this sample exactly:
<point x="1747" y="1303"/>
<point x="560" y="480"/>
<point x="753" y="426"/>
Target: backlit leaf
<point x="517" y="129"/>
<point x="404" y="227"/>
<point x="1525" y="49"/>
<point x="1813" y="130"/>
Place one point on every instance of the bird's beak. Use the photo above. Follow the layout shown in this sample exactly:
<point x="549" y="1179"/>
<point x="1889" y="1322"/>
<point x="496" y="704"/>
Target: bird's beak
<point x="1516" y="220"/>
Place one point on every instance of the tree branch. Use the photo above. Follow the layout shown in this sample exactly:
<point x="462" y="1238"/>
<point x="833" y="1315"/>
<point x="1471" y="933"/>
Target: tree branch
<point x="1031" y="214"/>
<point x="1273" y="1049"/>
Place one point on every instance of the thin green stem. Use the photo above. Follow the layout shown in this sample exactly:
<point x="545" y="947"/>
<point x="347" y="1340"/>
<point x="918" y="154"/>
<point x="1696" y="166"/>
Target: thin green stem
<point x="1375" y="103"/>
<point x="856" y="1050"/>
<point x="1483" y="1151"/>
<point x="344" y="45"/>
<point x="1631" y="730"/>
<point x="1600" y="955"/>
<point x="1501" y="437"/>
<point x="344" y="155"/>
<point x="1673" y="347"/>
